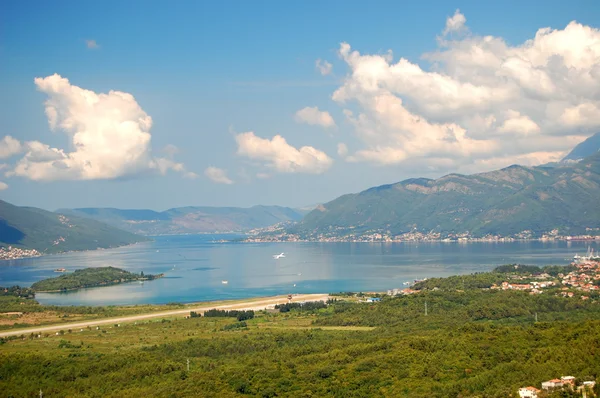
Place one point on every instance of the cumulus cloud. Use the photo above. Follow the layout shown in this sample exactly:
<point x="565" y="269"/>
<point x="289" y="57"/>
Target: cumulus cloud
<point x="109" y="135"/>
<point x="342" y="149"/>
<point x="91" y="44"/>
<point x="313" y="116"/>
<point x="9" y="146"/>
<point x="481" y="102"/>
<point x="324" y="67"/>
<point x="455" y="23"/>
<point x="280" y="156"/>
<point x="217" y="175"/>
<point x="3" y="186"/>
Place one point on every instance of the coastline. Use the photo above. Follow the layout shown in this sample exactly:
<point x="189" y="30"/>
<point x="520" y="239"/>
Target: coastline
<point x="466" y="240"/>
<point x="41" y="254"/>
<point x="101" y="285"/>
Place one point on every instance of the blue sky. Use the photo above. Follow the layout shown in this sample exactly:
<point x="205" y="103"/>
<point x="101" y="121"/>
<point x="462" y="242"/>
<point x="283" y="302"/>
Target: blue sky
<point x="220" y="80"/>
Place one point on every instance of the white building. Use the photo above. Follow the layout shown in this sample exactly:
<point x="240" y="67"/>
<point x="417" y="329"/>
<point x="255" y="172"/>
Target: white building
<point x="528" y="392"/>
<point x="550" y="384"/>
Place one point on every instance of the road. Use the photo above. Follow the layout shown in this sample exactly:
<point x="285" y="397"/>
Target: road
<point x="255" y="305"/>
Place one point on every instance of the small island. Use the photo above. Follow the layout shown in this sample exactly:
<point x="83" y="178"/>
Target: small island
<point x="90" y="277"/>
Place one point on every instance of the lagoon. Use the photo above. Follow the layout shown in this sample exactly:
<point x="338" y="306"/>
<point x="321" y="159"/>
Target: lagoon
<point x="195" y="267"/>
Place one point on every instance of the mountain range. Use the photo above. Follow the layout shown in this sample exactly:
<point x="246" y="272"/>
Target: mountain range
<point x="505" y="202"/>
<point x="189" y="220"/>
<point x="48" y="232"/>
<point x="587" y="148"/>
<point x="520" y="201"/>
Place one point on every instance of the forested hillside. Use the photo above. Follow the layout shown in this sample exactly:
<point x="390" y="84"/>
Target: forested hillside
<point x="48" y="232"/>
<point x="503" y="202"/>
<point x="472" y="342"/>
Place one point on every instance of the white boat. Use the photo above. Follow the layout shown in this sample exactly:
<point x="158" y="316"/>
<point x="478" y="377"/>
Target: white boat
<point x="588" y="257"/>
<point x="224" y="282"/>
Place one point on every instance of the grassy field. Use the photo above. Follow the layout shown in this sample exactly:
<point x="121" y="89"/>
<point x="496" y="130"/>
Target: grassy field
<point x="471" y="344"/>
<point x="32" y="313"/>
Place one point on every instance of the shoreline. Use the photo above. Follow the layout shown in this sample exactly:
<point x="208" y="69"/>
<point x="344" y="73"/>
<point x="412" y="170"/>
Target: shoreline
<point x="73" y="251"/>
<point x="158" y="276"/>
<point x="255" y="304"/>
<point x="332" y="240"/>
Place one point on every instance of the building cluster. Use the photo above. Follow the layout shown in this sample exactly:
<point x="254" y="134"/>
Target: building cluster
<point x="64" y="221"/>
<point x="585" y="278"/>
<point x="534" y="287"/>
<point x="565" y="382"/>
<point x="14" y="253"/>
<point x="278" y="233"/>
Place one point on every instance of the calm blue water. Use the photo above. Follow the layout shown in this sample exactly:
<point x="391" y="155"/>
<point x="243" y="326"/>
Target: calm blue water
<point x="194" y="267"/>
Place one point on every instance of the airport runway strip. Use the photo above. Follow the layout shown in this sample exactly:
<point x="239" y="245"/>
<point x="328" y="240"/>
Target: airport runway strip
<point x="255" y="305"/>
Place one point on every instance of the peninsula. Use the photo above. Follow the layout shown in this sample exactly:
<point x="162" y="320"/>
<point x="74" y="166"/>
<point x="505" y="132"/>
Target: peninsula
<point x="90" y="277"/>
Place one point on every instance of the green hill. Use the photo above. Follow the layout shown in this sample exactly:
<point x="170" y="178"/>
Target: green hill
<point x="48" y="232"/>
<point x="503" y="202"/>
<point x="191" y="219"/>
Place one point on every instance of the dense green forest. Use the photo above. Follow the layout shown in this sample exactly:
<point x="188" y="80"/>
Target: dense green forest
<point x="89" y="277"/>
<point x="473" y="342"/>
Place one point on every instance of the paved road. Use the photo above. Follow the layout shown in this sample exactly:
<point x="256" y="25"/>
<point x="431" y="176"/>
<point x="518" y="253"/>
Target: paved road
<point x="247" y="305"/>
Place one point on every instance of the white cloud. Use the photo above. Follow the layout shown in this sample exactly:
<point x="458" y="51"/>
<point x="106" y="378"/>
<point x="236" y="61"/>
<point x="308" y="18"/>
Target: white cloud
<point x="281" y="156"/>
<point x="519" y="124"/>
<point x="171" y="150"/>
<point x="217" y="175"/>
<point x="455" y="23"/>
<point x="342" y="149"/>
<point x="482" y="101"/>
<point x="109" y="134"/>
<point x="190" y="175"/>
<point x="324" y="67"/>
<point x="3" y="186"/>
<point x="313" y="116"/>
<point x="263" y="175"/>
<point x="9" y="146"/>
<point x="91" y="44"/>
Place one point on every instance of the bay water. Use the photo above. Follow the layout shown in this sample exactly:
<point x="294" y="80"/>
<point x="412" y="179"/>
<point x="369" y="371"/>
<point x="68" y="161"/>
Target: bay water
<point x="196" y="267"/>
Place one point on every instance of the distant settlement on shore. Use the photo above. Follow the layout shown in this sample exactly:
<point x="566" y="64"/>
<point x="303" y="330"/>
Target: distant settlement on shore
<point x="15" y="253"/>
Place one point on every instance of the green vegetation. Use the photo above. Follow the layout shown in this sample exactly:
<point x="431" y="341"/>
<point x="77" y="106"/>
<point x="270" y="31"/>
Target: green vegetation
<point x="17" y="291"/>
<point x="473" y="342"/>
<point x="485" y="280"/>
<point x="504" y="202"/>
<point x="89" y="277"/>
<point x="47" y="232"/>
<point x="239" y="315"/>
<point x="310" y="306"/>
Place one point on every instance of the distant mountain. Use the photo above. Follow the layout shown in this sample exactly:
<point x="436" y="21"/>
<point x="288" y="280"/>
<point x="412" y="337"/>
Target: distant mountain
<point x="184" y="220"/>
<point x="587" y="148"/>
<point x="503" y="202"/>
<point x="48" y="232"/>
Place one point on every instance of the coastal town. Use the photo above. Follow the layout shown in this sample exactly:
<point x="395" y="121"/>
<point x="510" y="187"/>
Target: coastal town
<point x="284" y="232"/>
<point x="567" y="383"/>
<point x="15" y="253"/>
<point x="583" y="279"/>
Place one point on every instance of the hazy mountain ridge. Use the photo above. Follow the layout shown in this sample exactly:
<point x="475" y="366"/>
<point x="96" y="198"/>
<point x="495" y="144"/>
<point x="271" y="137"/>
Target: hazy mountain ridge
<point x="502" y="202"/>
<point x="192" y="219"/>
<point x="587" y="148"/>
<point x="48" y="232"/>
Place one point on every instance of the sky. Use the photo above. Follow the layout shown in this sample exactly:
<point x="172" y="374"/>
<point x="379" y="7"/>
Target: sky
<point x="155" y="104"/>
